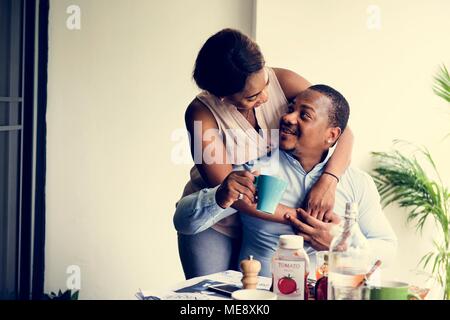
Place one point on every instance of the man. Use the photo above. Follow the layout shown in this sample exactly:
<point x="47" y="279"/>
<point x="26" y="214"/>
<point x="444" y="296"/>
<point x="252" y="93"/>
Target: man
<point x="307" y="133"/>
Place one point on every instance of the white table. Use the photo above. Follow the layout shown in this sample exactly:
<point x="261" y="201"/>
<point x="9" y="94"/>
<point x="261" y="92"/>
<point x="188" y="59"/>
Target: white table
<point x="229" y="276"/>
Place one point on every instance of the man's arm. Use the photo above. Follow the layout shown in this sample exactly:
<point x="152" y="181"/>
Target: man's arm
<point x="278" y="216"/>
<point x="374" y="224"/>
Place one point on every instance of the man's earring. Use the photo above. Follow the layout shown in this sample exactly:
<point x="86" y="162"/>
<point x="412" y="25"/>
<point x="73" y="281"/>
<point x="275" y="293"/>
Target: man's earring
<point x="329" y="141"/>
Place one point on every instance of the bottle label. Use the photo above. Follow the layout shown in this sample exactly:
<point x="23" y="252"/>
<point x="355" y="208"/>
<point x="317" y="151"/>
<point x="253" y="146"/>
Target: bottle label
<point x="289" y="279"/>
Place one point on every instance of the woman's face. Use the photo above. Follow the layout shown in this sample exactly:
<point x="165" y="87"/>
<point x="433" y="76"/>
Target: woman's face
<point x="254" y="94"/>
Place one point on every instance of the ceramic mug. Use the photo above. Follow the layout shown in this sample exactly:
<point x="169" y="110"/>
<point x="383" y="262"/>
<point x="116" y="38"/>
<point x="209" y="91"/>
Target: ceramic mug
<point x="270" y="190"/>
<point x="389" y="290"/>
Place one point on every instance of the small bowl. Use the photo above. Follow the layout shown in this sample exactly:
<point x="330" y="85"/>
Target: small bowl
<point x="253" y="294"/>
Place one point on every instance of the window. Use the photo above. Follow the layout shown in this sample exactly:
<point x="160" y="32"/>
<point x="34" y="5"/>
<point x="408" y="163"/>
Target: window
<point x="23" y="55"/>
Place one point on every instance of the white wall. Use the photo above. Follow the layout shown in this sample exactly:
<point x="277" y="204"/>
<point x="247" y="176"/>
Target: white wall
<point x="385" y="74"/>
<point x="117" y="90"/>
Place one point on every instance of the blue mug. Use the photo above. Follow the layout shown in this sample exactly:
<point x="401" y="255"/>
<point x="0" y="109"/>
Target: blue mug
<point x="270" y="190"/>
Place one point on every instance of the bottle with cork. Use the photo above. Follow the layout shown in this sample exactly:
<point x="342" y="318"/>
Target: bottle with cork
<point x="349" y="259"/>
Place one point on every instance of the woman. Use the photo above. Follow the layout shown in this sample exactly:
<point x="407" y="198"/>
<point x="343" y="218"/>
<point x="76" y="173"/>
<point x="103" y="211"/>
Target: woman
<point x="241" y="94"/>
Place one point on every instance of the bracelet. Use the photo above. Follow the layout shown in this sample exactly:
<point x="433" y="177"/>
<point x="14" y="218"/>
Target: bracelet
<point x="333" y="175"/>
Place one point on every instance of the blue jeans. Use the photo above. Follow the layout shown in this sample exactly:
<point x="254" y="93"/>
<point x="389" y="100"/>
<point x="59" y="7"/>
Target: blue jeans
<point x="208" y="252"/>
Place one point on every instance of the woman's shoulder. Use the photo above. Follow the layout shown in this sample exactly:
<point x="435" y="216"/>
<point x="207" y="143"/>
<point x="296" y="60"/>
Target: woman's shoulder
<point x="291" y="82"/>
<point x="197" y="111"/>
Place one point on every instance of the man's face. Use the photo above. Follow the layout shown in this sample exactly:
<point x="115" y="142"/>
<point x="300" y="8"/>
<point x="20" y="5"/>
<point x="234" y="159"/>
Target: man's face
<point x="305" y="127"/>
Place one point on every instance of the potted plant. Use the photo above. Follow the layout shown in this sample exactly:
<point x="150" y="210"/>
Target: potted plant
<point x="66" y="295"/>
<point x="404" y="180"/>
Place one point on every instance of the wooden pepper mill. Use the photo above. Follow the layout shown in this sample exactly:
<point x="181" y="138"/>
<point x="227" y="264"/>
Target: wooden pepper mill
<point x="250" y="268"/>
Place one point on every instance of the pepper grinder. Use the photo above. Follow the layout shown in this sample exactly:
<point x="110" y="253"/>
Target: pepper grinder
<point x="250" y="268"/>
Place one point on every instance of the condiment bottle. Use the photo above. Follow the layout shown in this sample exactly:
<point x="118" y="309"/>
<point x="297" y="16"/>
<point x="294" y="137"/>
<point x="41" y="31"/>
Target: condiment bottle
<point x="290" y="269"/>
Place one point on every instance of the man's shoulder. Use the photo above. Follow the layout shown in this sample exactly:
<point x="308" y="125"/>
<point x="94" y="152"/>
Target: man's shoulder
<point x="266" y="163"/>
<point x="360" y="184"/>
<point x="357" y="175"/>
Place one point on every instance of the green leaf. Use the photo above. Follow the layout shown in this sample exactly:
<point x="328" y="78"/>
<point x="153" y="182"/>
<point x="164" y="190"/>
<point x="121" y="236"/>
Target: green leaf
<point x="426" y="259"/>
<point x="75" y="295"/>
<point x="441" y="85"/>
<point x="436" y="263"/>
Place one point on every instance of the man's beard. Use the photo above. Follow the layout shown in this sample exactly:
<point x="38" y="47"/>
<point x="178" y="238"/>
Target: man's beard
<point x="288" y="150"/>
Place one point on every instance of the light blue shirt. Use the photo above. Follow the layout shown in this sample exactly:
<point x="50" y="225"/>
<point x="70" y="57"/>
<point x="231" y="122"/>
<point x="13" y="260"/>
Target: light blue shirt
<point x="199" y="211"/>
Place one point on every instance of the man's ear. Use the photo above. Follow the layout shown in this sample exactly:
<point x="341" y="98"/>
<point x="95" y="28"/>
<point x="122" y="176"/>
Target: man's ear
<point x="333" y="135"/>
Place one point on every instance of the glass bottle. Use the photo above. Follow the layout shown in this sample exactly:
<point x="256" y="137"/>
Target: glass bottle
<point x="348" y="259"/>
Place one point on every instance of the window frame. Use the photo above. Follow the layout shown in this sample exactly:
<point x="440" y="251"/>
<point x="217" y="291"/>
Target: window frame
<point x="26" y="261"/>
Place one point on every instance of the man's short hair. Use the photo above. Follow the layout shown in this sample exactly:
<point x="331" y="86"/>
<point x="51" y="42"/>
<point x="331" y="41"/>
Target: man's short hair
<point x="339" y="111"/>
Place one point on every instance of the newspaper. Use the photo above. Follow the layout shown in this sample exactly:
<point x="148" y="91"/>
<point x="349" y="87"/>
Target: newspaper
<point x="197" y="288"/>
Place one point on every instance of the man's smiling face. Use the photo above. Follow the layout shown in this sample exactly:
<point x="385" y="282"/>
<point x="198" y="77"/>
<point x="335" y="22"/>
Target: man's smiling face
<point x="305" y="127"/>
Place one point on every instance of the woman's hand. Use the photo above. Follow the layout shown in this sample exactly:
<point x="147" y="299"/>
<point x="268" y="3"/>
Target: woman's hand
<point x="320" y="200"/>
<point x="238" y="185"/>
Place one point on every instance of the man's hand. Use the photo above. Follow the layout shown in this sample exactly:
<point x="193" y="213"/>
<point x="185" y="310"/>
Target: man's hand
<point x="283" y="210"/>
<point x="316" y="232"/>
<point x="238" y="185"/>
<point x="321" y="197"/>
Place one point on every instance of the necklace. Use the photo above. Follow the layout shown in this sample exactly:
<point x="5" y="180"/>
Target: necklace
<point x="246" y="116"/>
<point x="248" y="113"/>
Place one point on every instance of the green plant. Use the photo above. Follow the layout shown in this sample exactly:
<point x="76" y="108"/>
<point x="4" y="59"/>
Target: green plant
<point x="66" y="295"/>
<point x="441" y="85"/>
<point x="403" y="180"/>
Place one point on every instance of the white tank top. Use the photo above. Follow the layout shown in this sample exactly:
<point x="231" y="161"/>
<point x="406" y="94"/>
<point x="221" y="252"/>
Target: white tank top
<point x="243" y="142"/>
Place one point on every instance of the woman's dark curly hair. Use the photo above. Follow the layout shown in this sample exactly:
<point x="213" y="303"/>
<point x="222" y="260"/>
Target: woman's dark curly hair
<point x="225" y="62"/>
